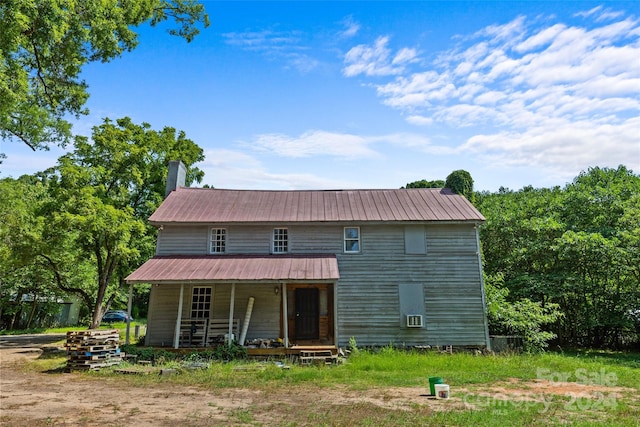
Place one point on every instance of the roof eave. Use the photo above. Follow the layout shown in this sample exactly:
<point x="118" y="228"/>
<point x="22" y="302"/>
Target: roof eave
<point x="337" y="222"/>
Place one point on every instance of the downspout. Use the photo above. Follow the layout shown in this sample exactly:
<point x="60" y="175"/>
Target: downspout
<point x="176" y="335"/>
<point x="336" y="341"/>
<point x="484" y="302"/>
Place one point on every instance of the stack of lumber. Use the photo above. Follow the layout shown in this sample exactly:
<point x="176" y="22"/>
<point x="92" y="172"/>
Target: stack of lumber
<point x="93" y="349"/>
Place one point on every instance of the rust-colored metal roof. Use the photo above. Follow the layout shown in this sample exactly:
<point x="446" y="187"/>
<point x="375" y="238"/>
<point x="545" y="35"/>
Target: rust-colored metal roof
<point x="210" y="268"/>
<point x="208" y="205"/>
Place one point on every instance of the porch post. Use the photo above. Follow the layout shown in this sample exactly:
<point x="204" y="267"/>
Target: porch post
<point x="129" y="312"/>
<point x="176" y="335"/>
<point x="231" y="305"/>
<point x="285" y="314"/>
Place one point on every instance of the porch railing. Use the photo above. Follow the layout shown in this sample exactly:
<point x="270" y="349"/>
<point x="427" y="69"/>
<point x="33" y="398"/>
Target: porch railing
<point x="205" y="332"/>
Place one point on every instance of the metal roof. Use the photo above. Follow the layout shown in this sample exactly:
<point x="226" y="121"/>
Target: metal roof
<point x="208" y="205"/>
<point x="209" y="268"/>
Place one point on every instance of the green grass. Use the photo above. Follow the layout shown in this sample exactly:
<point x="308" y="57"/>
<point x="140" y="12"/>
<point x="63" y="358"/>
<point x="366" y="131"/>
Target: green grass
<point x="471" y="378"/>
<point x="65" y="329"/>
<point x="121" y="326"/>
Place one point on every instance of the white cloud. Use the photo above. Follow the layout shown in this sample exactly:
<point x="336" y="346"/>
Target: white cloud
<point x="351" y="27"/>
<point x="343" y="146"/>
<point x="540" y="39"/>
<point x="602" y="15"/>
<point x="564" y="148"/>
<point x="234" y="169"/>
<point x="420" y="120"/>
<point x="376" y="60"/>
<point x="404" y="55"/>
<point x="316" y="143"/>
<point x="264" y="40"/>
<point x="530" y="92"/>
<point x="287" y="46"/>
<point x="588" y="13"/>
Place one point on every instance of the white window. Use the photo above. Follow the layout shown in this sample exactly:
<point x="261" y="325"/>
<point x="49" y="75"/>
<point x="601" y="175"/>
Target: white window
<point x="352" y="239"/>
<point x="218" y="243"/>
<point x="201" y="302"/>
<point x="280" y="244"/>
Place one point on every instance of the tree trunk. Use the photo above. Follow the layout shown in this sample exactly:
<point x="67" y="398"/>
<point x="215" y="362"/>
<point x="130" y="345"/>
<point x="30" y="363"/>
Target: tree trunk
<point x="105" y="272"/>
<point x="32" y="313"/>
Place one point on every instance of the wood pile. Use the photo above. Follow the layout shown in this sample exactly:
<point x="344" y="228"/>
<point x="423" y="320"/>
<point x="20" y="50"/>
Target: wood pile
<point x="93" y="349"/>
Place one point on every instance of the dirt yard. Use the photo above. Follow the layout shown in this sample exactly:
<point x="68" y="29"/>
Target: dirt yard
<point x="72" y="399"/>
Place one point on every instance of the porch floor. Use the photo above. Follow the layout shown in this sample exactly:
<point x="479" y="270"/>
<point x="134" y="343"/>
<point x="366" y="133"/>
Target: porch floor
<point x="295" y="351"/>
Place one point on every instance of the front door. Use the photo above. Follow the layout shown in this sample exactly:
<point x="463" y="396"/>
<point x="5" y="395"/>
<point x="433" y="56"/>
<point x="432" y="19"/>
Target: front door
<point x="307" y="310"/>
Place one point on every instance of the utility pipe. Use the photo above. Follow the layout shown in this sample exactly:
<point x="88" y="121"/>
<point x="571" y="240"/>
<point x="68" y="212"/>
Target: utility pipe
<point x="247" y="318"/>
<point x="176" y="335"/>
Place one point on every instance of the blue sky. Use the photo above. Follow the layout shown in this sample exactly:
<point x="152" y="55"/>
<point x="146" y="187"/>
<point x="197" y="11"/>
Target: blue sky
<point x="326" y="95"/>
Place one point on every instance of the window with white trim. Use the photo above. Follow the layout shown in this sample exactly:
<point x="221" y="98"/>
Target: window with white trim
<point x="201" y="302"/>
<point x="218" y="242"/>
<point x="352" y="239"/>
<point x="280" y="243"/>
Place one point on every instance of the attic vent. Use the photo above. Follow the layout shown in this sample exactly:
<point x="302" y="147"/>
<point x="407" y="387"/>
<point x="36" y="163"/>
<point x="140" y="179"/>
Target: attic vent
<point x="414" y="321"/>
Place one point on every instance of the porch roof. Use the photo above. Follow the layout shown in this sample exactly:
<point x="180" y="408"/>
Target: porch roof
<point x="233" y="268"/>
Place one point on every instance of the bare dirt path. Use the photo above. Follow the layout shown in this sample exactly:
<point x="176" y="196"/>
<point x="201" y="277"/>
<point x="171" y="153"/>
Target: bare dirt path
<point x="30" y="398"/>
<point x="33" y="399"/>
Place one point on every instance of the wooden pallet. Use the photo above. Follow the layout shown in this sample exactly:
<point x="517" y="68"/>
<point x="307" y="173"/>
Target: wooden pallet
<point x="92" y="364"/>
<point x="93" y="349"/>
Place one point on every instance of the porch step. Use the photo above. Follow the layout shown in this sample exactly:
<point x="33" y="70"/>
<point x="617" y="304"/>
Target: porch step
<point x="308" y="357"/>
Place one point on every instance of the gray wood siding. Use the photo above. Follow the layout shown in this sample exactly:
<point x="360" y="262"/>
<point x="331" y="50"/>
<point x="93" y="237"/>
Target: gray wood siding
<point x="264" y="323"/>
<point x="248" y="239"/>
<point x="163" y="312"/>
<point x="187" y="240"/>
<point x="449" y="272"/>
<point x="368" y="306"/>
<point x="265" y="318"/>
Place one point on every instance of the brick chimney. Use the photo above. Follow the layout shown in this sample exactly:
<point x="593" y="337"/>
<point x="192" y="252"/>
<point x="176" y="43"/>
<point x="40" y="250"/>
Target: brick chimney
<point x="177" y="176"/>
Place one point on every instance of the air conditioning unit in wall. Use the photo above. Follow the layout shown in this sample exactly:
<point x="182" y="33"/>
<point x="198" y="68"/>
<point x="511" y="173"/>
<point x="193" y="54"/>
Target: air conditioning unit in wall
<point x="414" y="321"/>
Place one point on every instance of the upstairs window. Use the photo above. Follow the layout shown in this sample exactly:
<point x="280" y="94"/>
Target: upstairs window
<point x="352" y="239"/>
<point x="280" y="243"/>
<point x="218" y="242"/>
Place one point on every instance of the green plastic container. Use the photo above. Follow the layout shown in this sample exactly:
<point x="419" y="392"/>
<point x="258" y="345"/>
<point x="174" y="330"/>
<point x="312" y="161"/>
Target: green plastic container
<point x="432" y="384"/>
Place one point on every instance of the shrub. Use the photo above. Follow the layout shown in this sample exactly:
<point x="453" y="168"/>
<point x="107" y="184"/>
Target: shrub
<point x="522" y="317"/>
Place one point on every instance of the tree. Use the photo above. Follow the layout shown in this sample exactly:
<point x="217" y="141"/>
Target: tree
<point x="423" y="183"/>
<point x="29" y="264"/>
<point x="44" y="45"/>
<point x="460" y="182"/>
<point x="522" y="317"/>
<point x="577" y="247"/>
<point x="104" y="192"/>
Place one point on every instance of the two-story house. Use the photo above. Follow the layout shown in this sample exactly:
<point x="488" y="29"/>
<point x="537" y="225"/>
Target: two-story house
<point x="397" y="267"/>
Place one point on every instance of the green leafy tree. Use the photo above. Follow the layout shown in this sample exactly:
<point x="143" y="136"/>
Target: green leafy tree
<point x="29" y="264"/>
<point x="44" y="45"/>
<point x="423" y="183"/>
<point x="575" y="246"/>
<point x="18" y="227"/>
<point x="104" y="192"/>
<point x="521" y="317"/>
<point x="460" y="182"/>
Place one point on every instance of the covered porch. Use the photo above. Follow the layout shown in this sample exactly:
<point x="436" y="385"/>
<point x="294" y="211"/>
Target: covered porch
<point x="273" y="304"/>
